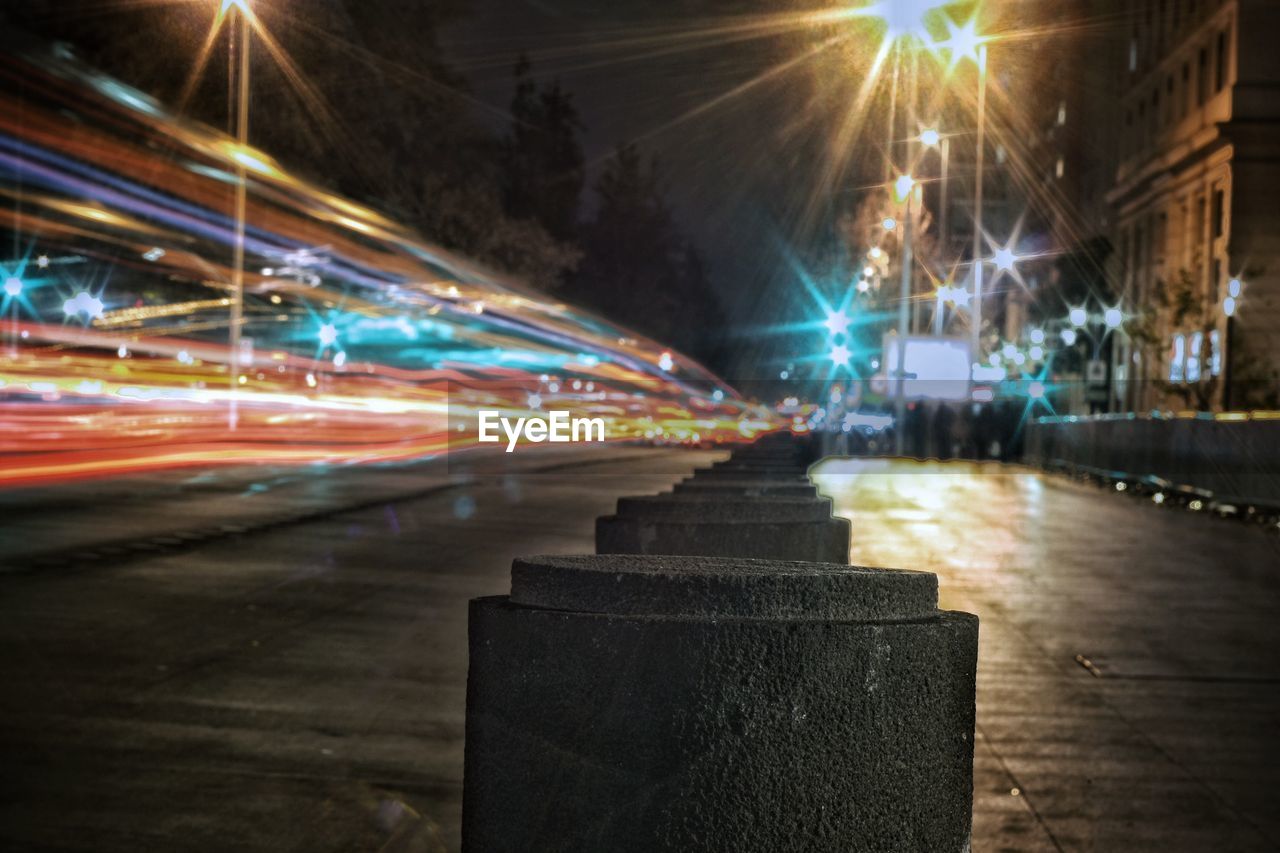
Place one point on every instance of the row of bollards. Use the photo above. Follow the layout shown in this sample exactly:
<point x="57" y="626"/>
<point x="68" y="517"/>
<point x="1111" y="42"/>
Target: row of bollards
<point x="718" y="678"/>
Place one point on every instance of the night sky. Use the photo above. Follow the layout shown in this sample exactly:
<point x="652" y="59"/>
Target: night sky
<point x="740" y="170"/>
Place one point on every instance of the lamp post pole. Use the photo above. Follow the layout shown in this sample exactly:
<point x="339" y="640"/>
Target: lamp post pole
<point x="979" y="162"/>
<point x="944" y="152"/>
<point x="237" y="262"/>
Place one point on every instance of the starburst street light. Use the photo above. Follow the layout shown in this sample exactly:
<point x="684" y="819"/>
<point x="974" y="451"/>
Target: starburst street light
<point x="930" y="137"/>
<point x="903" y="186"/>
<point x="906" y="19"/>
<point x="1078" y="317"/>
<point x="1005" y="259"/>
<point x="226" y="6"/>
<point x="837" y="322"/>
<point x="840" y="355"/>
<point x="963" y="42"/>
<point x="1113" y="318"/>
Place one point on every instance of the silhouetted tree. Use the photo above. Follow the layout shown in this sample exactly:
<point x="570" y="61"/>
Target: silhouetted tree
<point x="637" y="267"/>
<point x="542" y="156"/>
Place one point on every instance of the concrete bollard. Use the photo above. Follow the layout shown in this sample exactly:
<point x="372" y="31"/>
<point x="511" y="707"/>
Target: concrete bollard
<point x="644" y="704"/>
<point x="729" y="474"/>
<point x="747" y="488"/>
<point x="725" y="526"/>
<point x="779" y="464"/>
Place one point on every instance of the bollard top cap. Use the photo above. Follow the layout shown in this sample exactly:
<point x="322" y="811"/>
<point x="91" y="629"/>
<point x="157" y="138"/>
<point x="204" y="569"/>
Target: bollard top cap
<point x="722" y="587"/>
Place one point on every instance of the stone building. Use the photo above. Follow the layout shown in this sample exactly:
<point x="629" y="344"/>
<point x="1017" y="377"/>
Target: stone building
<point x="1197" y="223"/>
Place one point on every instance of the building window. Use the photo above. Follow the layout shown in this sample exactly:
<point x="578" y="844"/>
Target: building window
<point x="1177" y="359"/>
<point x="1193" y="356"/>
<point x="1188" y="95"/>
<point x="1215" y="353"/>
<point x="1062" y="113"/>
<point x="1219" y="213"/>
<point x="1220" y="70"/>
<point x="1133" y="54"/>
<point x="1060" y="168"/>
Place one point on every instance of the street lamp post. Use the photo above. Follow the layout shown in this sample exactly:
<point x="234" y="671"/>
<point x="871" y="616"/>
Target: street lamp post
<point x="932" y="138"/>
<point x="237" y="264"/>
<point x="979" y="176"/>
<point x="904" y="295"/>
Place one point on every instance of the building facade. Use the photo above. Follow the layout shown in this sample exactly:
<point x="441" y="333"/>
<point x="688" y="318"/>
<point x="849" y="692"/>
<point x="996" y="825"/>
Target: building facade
<point x="1197" y="223"/>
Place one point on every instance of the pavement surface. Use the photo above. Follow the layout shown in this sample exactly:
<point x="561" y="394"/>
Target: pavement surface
<point x="1128" y="659"/>
<point x="296" y="682"/>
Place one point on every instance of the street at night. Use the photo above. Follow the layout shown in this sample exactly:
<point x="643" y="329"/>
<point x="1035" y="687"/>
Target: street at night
<point x="302" y="687"/>
<point x="554" y="426"/>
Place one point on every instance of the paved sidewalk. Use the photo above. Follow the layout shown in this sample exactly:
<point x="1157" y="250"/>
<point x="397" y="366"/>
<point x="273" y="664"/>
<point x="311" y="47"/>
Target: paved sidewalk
<point x="1129" y="658"/>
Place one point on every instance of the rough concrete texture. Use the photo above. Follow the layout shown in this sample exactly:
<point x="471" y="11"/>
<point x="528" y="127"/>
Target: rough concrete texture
<point x="823" y="540"/>
<point x="760" y="465"/>
<point x="606" y="732"/>
<point x="736" y="508"/>
<point x="767" y="454"/>
<point x="711" y="587"/>
<point x="731" y="474"/>
<point x="748" y="488"/>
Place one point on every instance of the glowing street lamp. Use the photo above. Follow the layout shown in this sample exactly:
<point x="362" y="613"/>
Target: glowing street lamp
<point x="13" y="286"/>
<point x="906" y="19"/>
<point x="1004" y="259"/>
<point x="837" y="322"/>
<point x="840" y="355"/>
<point x="930" y="137"/>
<point x="1069" y="337"/>
<point x="1113" y="318"/>
<point x="963" y="42"/>
<point x="903" y="186"/>
<point x="1078" y="317"/>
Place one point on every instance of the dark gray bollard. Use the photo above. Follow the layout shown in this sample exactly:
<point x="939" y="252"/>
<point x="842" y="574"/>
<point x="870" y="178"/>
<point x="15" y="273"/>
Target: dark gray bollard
<point x="677" y="704"/>
<point x="727" y="474"/>
<point x="725" y="526"/>
<point x="740" y="462"/>
<point x="747" y="488"/>
<point x="736" y="465"/>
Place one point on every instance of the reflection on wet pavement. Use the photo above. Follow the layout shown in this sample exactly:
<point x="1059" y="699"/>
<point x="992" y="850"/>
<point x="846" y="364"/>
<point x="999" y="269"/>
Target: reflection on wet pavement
<point x="1128" y="673"/>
